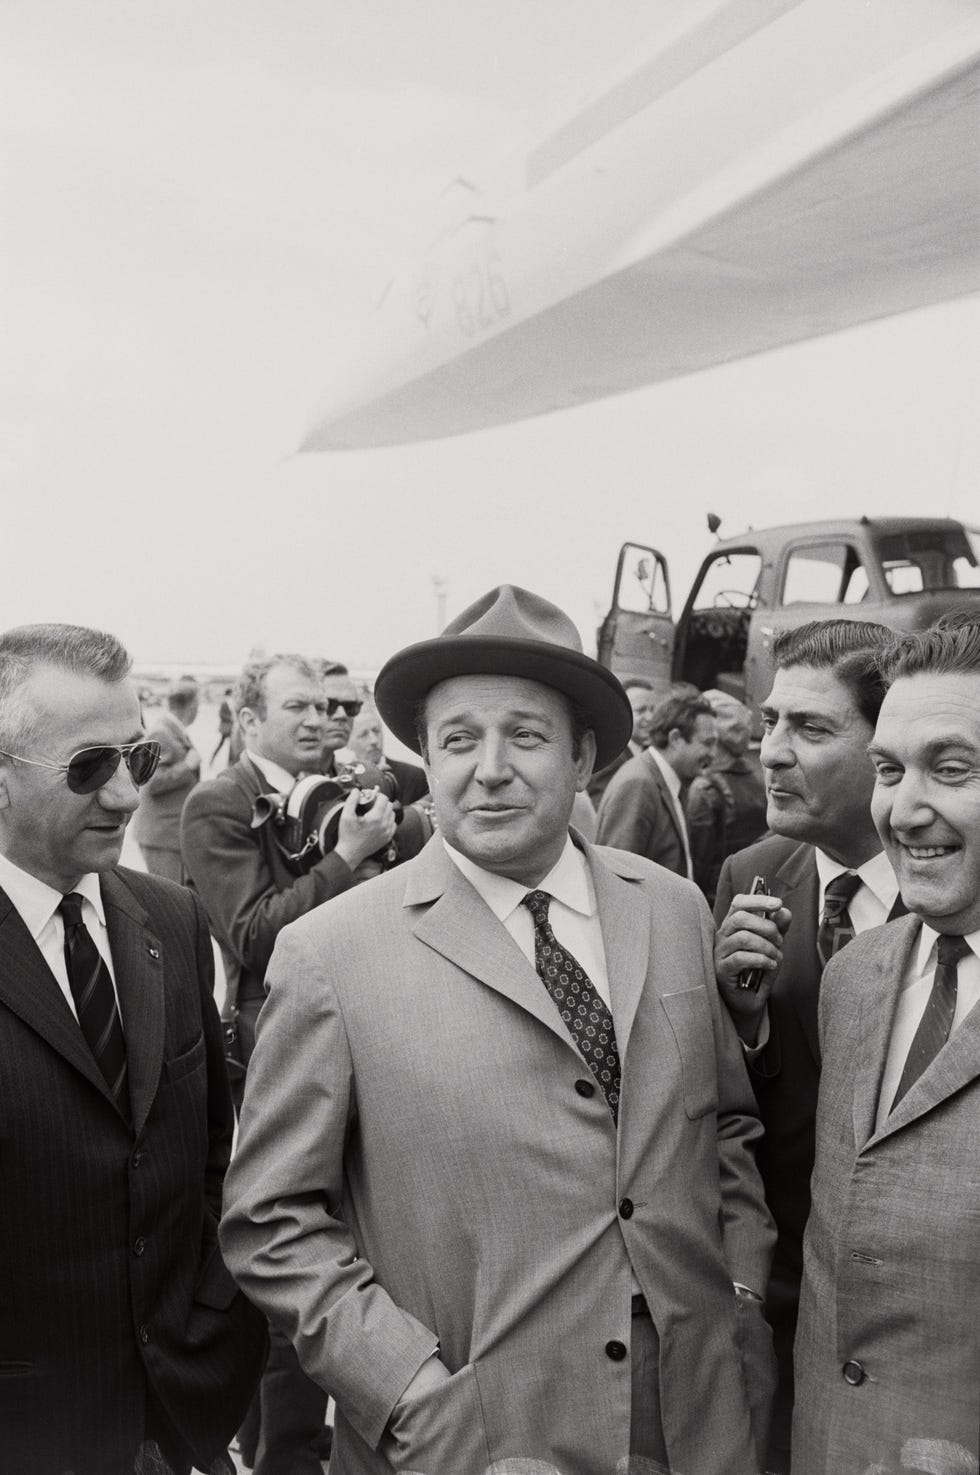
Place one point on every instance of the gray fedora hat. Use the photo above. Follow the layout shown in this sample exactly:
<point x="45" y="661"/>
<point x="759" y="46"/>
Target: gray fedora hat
<point x="507" y="632"/>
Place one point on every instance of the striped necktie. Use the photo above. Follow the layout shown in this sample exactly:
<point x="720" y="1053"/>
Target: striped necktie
<point x="937" y="1018"/>
<point x="95" y="1001"/>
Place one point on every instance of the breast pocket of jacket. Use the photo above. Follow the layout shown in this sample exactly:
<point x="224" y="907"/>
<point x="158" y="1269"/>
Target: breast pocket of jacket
<point x="186" y="1062"/>
<point x="689" y="1016"/>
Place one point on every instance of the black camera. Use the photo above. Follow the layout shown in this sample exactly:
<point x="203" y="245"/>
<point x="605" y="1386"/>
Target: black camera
<point x="305" y="822"/>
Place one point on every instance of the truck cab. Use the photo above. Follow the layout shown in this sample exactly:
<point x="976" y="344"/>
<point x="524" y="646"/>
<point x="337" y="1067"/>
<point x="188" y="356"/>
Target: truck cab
<point x="901" y="571"/>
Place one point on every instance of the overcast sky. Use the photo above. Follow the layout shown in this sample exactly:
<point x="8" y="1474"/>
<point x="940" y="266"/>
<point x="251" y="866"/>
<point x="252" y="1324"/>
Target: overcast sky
<point x="198" y="197"/>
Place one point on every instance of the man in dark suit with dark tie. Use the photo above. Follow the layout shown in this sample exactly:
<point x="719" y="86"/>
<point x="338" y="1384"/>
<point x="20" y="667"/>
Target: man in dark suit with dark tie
<point x="828" y="879"/>
<point x="123" y="1343"/>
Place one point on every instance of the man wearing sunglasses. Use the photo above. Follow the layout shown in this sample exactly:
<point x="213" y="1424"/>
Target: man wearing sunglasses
<point x="122" y="1342"/>
<point x="343" y="705"/>
<point x="250" y="892"/>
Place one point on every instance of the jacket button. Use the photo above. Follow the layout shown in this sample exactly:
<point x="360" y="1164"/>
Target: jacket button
<point x="615" y="1351"/>
<point x="853" y="1374"/>
<point x="585" y="1088"/>
<point x="626" y="1208"/>
<point x="143" y="1332"/>
<point x="139" y="1245"/>
<point x="136" y="1159"/>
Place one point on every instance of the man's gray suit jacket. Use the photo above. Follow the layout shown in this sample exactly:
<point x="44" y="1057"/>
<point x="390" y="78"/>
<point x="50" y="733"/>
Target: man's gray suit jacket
<point x="425" y="1159"/>
<point x="888" y="1347"/>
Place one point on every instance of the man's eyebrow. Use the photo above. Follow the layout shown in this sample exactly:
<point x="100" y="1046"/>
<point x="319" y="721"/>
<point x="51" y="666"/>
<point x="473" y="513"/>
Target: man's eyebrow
<point x="101" y="742"/>
<point x="932" y="750"/>
<point x="521" y="715"/>
<point x="799" y="714"/>
<point x="953" y="741"/>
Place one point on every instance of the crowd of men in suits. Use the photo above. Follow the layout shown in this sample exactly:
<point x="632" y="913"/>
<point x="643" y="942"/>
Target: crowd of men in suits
<point x="539" y="1166"/>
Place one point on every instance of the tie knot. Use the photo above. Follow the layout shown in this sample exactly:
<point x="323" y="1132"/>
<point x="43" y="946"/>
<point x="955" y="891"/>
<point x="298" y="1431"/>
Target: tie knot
<point x="537" y="903"/>
<point x="838" y="892"/>
<point x="70" y="908"/>
<point x="950" y="950"/>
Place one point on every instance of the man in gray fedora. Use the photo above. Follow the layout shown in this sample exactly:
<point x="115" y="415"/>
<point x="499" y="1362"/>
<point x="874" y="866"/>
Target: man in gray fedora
<point x="496" y="1173"/>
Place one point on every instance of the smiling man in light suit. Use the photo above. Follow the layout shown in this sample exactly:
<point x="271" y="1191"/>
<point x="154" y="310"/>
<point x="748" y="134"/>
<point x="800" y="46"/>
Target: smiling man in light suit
<point x="888" y="1351"/>
<point x="495" y="1176"/>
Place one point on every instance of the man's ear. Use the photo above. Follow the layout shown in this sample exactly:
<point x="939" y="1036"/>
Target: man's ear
<point x="247" y="719"/>
<point x="4" y="791"/>
<point x="585" y="763"/>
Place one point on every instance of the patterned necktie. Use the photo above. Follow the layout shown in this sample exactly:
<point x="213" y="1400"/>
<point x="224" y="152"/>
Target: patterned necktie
<point x="937" y="1021"/>
<point x="836" y="929"/>
<point x="586" y="1017"/>
<point x="95" y="1001"/>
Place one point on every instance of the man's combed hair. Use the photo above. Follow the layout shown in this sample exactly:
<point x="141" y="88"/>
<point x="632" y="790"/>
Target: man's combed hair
<point x="250" y="686"/>
<point x="72" y="648"/>
<point x="949" y="647"/>
<point x="680" y="709"/>
<point x="849" y="649"/>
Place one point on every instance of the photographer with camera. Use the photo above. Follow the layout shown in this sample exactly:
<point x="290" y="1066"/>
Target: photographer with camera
<point x="242" y="859"/>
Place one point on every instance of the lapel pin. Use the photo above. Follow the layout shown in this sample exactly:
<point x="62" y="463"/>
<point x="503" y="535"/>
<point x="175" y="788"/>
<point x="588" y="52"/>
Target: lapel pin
<point x="154" y="952"/>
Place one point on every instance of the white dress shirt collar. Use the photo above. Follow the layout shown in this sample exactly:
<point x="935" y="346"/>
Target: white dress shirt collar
<point x="875" y="873"/>
<point x="926" y="958"/>
<point x="568" y="881"/>
<point x="280" y="780"/>
<point x="37" y="902"/>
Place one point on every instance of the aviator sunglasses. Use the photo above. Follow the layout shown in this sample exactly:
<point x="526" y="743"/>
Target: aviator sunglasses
<point x="90" y="768"/>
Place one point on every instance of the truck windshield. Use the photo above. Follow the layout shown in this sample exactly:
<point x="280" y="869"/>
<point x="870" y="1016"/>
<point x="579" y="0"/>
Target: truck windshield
<point x="930" y="558"/>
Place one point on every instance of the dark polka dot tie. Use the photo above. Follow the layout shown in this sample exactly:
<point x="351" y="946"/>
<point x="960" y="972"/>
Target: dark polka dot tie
<point x="586" y="1017"/>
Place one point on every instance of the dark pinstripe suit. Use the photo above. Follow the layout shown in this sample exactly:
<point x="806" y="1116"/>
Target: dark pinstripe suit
<point x="117" y="1316"/>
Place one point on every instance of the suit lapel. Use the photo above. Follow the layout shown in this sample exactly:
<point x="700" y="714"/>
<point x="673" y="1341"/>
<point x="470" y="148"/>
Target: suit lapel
<point x="458" y="924"/>
<point x="461" y="927"/>
<point x="249" y="779"/>
<point x="957" y="1063"/>
<point x="30" y="989"/>
<point x="138" y="963"/>
<point x="796" y="882"/>
<point x="667" y="799"/>
<point x="625" y="941"/>
<point x="879" y="987"/>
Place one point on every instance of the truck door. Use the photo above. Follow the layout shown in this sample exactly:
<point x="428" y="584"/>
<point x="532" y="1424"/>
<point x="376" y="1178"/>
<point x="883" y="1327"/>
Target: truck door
<point x="714" y="646"/>
<point x="636" y="638"/>
<point x="828" y="578"/>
